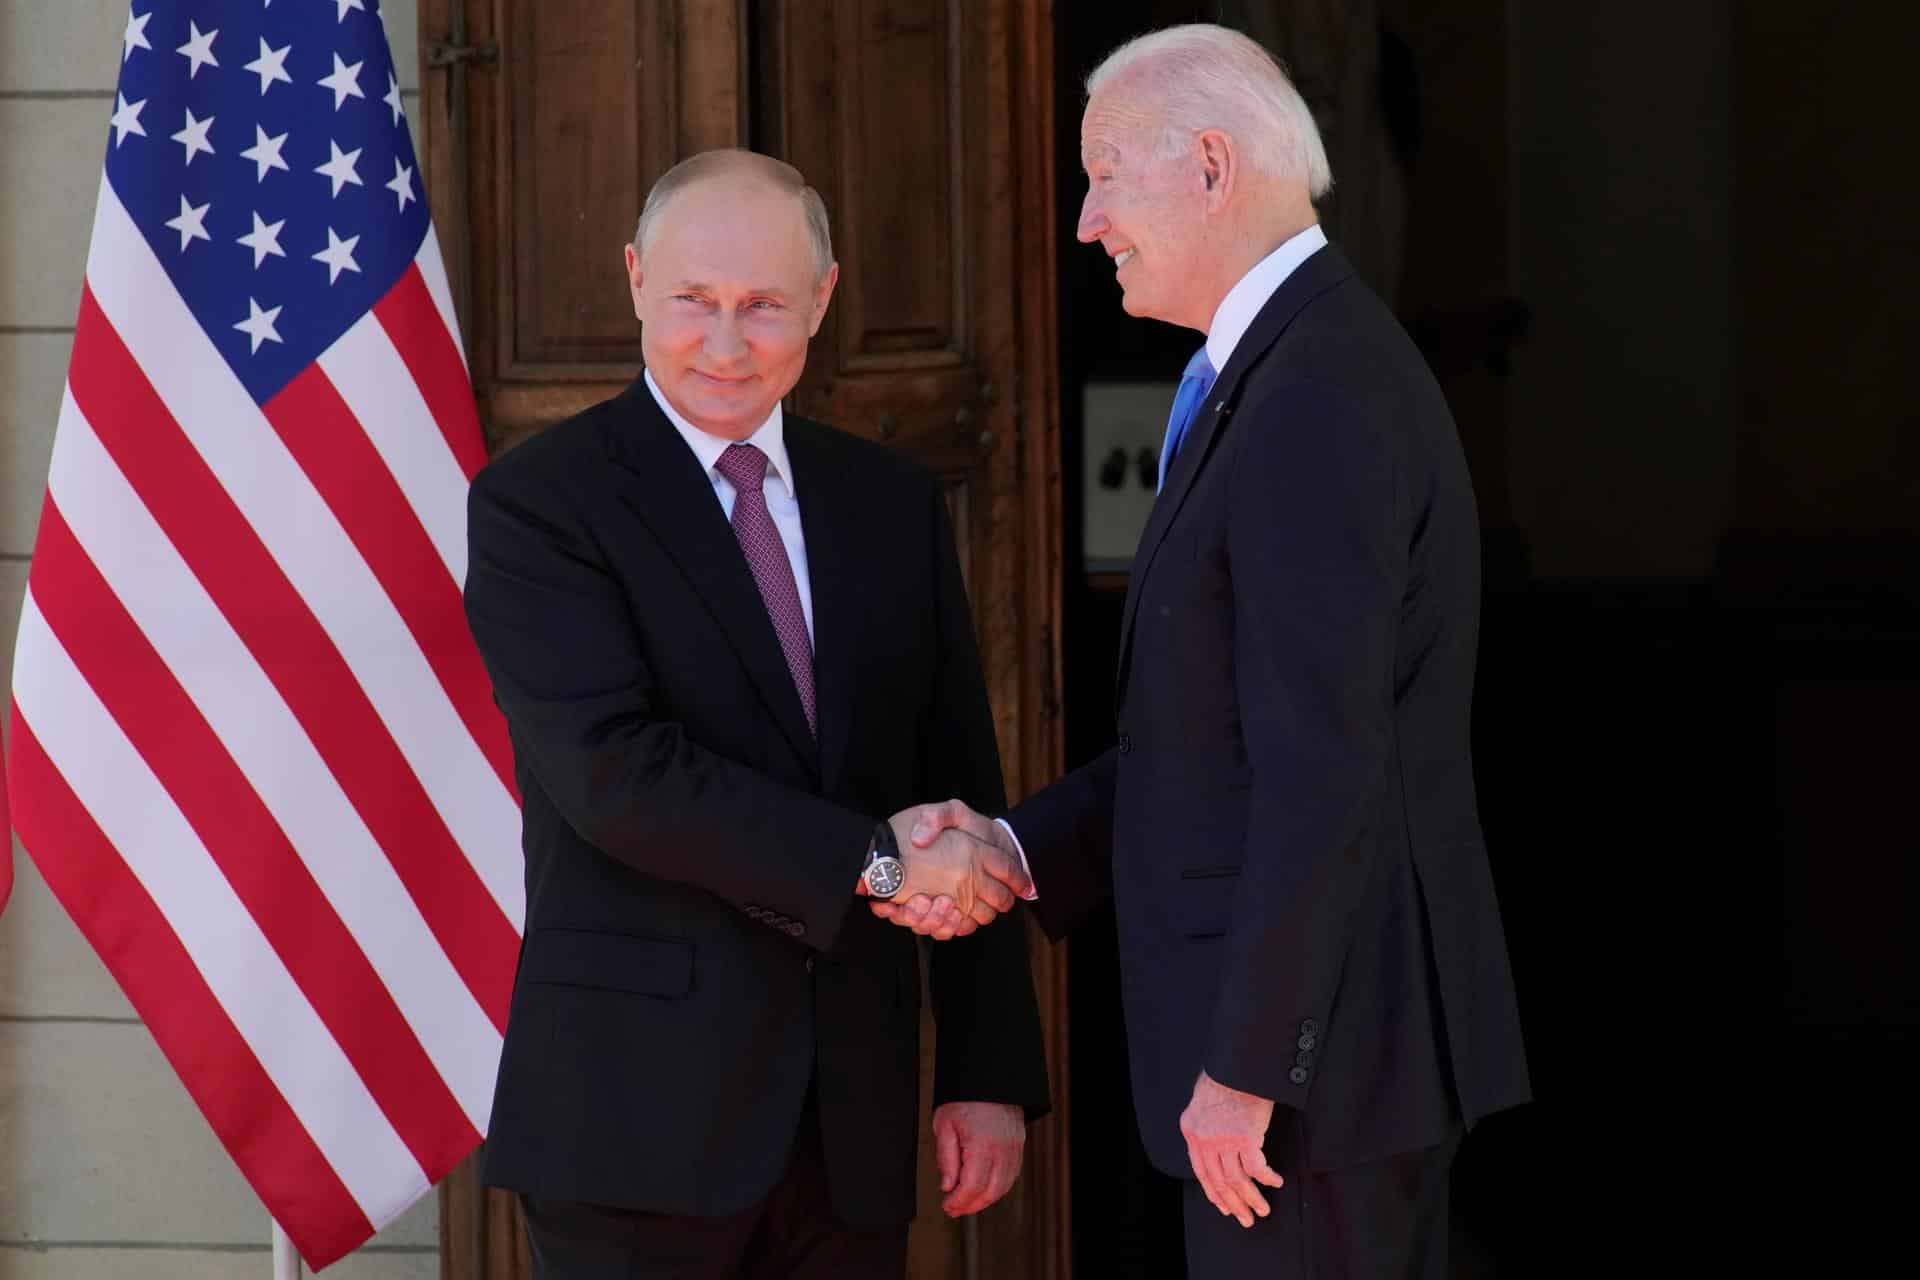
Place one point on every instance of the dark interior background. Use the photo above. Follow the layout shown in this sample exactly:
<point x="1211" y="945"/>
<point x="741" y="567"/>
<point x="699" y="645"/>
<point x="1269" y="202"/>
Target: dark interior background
<point x="1662" y="258"/>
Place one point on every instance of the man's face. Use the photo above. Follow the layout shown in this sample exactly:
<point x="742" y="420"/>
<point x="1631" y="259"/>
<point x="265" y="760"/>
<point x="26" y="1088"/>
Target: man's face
<point x="1146" y="212"/>
<point x="727" y="299"/>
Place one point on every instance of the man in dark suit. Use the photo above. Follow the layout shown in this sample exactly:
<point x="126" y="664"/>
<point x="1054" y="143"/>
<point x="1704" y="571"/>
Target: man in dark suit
<point x="1314" y="972"/>
<point x="727" y="641"/>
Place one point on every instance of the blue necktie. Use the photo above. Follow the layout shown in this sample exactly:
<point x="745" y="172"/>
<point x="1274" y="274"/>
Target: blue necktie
<point x="1194" y="385"/>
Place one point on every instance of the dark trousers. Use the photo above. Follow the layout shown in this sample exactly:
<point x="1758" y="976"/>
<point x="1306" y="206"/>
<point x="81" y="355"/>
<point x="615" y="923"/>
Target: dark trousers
<point x="1381" y="1221"/>
<point x="790" y="1235"/>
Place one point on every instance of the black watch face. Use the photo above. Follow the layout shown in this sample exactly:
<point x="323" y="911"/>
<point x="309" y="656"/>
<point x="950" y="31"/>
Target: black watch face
<point x="885" y="876"/>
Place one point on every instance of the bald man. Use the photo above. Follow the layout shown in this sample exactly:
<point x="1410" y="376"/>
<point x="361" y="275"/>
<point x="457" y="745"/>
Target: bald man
<point x="729" y="642"/>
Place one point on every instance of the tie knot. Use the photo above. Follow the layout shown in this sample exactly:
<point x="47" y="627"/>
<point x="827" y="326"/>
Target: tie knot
<point x="744" y="466"/>
<point x="1200" y="367"/>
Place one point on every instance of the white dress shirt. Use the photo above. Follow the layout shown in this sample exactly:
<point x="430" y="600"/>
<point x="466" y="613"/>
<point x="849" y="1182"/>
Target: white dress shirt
<point x="1231" y="320"/>
<point x="1236" y="312"/>
<point x="783" y="503"/>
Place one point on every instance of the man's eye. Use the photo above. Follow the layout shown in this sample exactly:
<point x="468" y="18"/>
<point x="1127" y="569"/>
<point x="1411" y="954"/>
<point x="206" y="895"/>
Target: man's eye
<point x="765" y="304"/>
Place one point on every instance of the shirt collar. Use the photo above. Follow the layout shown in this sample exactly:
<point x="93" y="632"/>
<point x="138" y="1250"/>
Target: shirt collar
<point x="770" y="439"/>
<point x="1243" y="302"/>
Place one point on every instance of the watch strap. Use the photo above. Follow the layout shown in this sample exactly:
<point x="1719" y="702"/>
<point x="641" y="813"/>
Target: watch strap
<point x="883" y="844"/>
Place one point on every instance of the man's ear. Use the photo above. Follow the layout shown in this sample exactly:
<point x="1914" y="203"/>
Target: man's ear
<point x="634" y="278"/>
<point x="1219" y="166"/>
<point x="822" y="295"/>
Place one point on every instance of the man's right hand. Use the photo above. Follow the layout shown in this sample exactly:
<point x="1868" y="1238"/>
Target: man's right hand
<point x="939" y="838"/>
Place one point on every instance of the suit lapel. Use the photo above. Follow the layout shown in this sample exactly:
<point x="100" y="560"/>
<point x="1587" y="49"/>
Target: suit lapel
<point x="672" y="493"/>
<point x="1309" y="280"/>
<point x="829" y="519"/>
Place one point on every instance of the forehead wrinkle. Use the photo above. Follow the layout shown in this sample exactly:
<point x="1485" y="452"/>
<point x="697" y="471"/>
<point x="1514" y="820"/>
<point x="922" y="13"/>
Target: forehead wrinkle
<point x="1104" y="131"/>
<point x="725" y="192"/>
<point x="701" y="285"/>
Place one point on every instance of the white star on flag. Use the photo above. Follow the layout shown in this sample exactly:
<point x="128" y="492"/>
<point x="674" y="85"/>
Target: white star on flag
<point x="345" y="5"/>
<point x="265" y="153"/>
<point x="393" y="96"/>
<point x="402" y="184"/>
<point x="136" y="34"/>
<point x="194" y="136"/>
<point x="191" y="224"/>
<point x="264" y="239"/>
<point x="259" y="325"/>
<point x="338" y="255"/>
<point x="126" y="119"/>
<point x="341" y="167"/>
<point x="270" y="66"/>
<point x="198" y="49"/>
<point x="345" y="82"/>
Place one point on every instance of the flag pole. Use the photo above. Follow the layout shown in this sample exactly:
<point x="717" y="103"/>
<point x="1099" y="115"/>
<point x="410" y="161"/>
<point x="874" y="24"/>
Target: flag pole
<point x="286" y="1262"/>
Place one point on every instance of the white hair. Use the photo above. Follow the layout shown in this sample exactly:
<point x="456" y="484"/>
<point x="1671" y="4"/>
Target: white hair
<point x="711" y="164"/>
<point x="1210" y="77"/>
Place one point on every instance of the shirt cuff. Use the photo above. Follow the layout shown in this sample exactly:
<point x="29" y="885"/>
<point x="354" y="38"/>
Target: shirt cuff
<point x="1033" y="890"/>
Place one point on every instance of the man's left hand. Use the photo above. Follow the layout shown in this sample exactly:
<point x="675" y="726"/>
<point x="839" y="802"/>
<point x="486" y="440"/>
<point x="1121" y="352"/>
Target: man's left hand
<point x="1224" y="1129"/>
<point x="978" y="1147"/>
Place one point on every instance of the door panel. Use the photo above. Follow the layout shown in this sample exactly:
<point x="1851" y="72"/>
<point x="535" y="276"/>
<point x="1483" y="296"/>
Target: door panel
<point x="926" y="125"/>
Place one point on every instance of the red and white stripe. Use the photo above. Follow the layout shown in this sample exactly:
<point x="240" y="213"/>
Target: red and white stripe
<point x="254" y="751"/>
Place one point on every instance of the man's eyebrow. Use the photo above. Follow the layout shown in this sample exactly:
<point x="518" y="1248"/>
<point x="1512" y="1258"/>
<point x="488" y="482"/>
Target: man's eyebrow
<point x="1103" y="152"/>
<point x="701" y="286"/>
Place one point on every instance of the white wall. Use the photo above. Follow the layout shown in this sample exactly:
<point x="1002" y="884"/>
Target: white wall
<point x="107" y="1171"/>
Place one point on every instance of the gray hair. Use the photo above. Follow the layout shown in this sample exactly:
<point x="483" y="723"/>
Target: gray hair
<point x="712" y="164"/>
<point x="1209" y="77"/>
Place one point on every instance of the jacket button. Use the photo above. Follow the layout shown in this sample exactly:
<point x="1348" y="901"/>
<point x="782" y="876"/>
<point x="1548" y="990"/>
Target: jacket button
<point x="1298" y="1075"/>
<point x="795" y="928"/>
<point x="1126" y="743"/>
<point x="1308" y="1027"/>
<point x="809" y="964"/>
<point x="1303" y="1059"/>
<point x="1306" y="1042"/>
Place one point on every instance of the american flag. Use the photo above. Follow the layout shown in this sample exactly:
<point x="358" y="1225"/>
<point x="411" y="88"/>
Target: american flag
<point x="253" y="750"/>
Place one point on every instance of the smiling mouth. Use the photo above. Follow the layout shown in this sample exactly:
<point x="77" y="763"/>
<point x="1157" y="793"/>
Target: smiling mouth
<point x="1122" y="258"/>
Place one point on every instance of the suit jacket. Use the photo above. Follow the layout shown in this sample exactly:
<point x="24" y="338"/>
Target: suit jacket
<point x="1286" y="827"/>
<point x="694" y="953"/>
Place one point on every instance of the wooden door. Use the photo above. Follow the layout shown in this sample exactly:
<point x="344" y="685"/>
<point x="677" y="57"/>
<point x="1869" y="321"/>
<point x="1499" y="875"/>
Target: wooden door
<point x="927" y="127"/>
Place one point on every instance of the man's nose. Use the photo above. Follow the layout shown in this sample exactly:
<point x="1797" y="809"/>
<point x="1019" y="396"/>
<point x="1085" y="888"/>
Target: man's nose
<point x="1093" y="221"/>
<point x="724" y="339"/>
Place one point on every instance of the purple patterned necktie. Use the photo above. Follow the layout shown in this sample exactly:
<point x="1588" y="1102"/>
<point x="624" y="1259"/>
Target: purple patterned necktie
<point x="745" y="468"/>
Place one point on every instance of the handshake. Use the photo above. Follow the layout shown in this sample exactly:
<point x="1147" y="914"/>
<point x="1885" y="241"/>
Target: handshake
<point x="962" y="870"/>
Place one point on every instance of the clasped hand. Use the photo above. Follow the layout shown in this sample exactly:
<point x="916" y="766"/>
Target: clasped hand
<point x="962" y="871"/>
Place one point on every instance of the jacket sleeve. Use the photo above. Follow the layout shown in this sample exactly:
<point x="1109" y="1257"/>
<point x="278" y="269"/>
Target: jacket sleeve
<point x="1066" y="830"/>
<point x="555" y="630"/>
<point x="1318" y="562"/>
<point x="989" y="1046"/>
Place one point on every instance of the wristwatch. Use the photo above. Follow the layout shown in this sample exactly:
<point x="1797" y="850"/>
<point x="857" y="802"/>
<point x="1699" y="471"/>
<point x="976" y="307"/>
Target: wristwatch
<point x="885" y="873"/>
